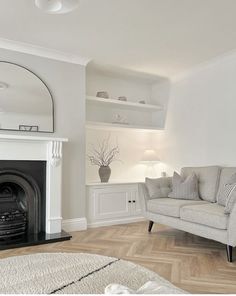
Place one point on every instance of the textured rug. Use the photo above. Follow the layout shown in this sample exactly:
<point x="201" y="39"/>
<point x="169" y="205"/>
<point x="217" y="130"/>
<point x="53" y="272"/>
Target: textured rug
<point x="76" y="273"/>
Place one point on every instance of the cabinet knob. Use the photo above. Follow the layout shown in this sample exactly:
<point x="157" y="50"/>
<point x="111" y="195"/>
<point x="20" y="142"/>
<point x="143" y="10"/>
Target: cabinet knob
<point x="129" y="201"/>
<point x="134" y="201"/>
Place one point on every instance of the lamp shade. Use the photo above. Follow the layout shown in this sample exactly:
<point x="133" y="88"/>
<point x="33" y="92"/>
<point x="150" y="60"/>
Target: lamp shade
<point x="150" y="156"/>
<point x="57" y="6"/>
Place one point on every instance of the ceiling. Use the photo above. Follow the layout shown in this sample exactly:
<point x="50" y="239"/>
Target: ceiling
<point x="160" y="37"/>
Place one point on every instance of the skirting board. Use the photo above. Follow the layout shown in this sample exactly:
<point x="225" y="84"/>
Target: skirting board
<point x="79" y="224"/>
<point x="76" y="224"/>
<point x="115" y="222"/>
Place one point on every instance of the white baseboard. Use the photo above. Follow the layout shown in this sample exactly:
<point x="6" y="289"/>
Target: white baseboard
<point x="76" y="224"/>
<point x="79" y="224"/>
<point x="115" y="222"/>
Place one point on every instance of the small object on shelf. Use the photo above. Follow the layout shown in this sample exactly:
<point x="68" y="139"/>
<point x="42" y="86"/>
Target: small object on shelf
<point x="142" y="102"/>
<point x="120" y="119"/>
<point x="103" y="94"/>
<point x="28" y="128"/>
<point x="122" y="98"/>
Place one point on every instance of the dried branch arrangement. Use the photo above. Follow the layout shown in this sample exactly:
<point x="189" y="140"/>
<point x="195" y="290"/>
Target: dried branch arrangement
<point x="103" y="154"/>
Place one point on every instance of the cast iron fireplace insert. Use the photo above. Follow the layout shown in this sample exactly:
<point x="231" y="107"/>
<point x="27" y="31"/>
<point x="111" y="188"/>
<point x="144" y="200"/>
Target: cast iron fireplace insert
<point x="23" y="205"/>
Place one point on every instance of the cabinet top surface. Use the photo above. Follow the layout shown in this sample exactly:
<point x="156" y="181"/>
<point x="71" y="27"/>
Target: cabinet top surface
<point x="114" y="183"/>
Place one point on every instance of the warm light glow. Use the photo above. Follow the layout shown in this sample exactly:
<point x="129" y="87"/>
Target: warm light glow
<point x="150" y="156"/>
<point x="57" y="6"/>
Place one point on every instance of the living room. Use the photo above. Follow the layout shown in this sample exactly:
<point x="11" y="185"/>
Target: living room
<point x="117" y="125"/>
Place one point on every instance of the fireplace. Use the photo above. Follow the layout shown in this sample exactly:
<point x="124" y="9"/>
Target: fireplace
<point x="30" y="191"/>
<point x="22" y="198"/>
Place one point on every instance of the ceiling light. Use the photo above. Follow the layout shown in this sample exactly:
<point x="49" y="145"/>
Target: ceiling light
<point x="3" y="85"/>
<point x="57" y="6"/>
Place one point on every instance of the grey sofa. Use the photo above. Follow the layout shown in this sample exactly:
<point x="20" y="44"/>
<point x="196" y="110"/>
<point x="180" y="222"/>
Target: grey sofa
<point x="205" y="217"/>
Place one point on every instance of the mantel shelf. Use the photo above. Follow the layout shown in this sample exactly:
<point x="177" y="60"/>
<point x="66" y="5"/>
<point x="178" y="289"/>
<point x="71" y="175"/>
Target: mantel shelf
<point x="30" y="138"/>
<point x="108" y="126"/>
<point x="124" y="104"/>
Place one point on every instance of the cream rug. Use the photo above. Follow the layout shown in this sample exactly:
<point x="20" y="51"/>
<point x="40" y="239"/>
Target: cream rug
<point x="63" y="273"/>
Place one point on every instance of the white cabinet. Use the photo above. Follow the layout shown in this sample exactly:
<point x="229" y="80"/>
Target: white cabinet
<point x="109" y="204"/>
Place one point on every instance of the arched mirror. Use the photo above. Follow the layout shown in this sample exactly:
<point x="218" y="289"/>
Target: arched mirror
<point x="26" y="103"/>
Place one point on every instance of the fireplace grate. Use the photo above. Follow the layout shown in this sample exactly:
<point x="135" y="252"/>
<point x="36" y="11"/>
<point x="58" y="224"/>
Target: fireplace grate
<point x="13" y="223"/>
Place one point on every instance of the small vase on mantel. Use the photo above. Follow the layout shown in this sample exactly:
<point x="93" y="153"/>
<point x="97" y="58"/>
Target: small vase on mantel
<point x="104" y="173"/>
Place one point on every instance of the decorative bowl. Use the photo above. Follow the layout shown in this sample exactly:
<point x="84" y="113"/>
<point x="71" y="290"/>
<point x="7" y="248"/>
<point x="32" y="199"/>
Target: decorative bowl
<point x="103" y="94"/>
<point x="122" y="98"/>
<point x="142" y="102"/>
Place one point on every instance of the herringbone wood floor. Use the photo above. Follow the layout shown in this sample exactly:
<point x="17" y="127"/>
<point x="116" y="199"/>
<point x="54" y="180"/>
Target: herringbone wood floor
<point x="194" y="264"/>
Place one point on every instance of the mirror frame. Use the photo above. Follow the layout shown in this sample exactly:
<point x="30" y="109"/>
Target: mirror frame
<point x="53" y="110"/>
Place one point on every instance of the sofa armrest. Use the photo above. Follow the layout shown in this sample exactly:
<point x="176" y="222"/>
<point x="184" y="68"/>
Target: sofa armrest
<point x="232" y="227"/>
<point x="144" y="195"/>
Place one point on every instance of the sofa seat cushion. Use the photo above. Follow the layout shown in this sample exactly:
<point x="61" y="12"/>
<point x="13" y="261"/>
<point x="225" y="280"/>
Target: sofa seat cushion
<point x="210" y="214"/>
<point x="169" y="206"/>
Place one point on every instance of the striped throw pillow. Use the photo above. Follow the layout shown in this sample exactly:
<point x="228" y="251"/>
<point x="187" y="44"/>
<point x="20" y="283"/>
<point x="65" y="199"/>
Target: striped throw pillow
<point x="226" y="190"/>
<point x="184" y="188"/>
<point x="231" y="198"/>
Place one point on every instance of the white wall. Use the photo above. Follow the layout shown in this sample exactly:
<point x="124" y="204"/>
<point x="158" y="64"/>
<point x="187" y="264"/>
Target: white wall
<point x="67" y="84"/>
<point x="12" y="121"/>
<point x="201" y="119"/>
<point x="132" y="145"/>
<point x="200" y="126"/>
<point x="160" y="93"/>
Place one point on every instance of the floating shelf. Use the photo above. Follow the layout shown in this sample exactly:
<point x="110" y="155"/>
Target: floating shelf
<point x="124" y="104"/>
<point x="108" y="126"/>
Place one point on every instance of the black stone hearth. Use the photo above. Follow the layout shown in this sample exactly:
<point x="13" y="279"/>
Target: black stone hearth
<point x="23" y="205"/>
<point x="34" y="240"/>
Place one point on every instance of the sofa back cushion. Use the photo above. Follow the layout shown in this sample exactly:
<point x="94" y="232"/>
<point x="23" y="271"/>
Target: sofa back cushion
<point x="208" y="180"/>
<point x="225" y="176"/>
<point x="158" y="188"/>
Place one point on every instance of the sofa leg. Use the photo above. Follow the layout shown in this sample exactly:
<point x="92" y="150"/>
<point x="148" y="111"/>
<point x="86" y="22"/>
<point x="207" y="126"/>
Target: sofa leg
<point x="229" y="251"/>
<point x="150" y="226"/>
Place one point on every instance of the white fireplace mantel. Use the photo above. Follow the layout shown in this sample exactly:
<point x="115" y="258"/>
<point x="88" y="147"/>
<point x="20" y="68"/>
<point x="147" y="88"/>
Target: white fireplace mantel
<point x="49" y="149"/>
<point x="30" y="138"/>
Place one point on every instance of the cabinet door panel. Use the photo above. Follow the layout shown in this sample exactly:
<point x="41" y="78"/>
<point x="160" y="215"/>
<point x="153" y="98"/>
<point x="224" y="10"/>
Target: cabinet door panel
<point x="111" y="203"/>
<point x="136" y="208"/>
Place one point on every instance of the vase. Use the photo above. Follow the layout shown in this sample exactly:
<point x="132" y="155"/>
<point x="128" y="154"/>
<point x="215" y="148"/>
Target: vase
<point x="104" y="173"/>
